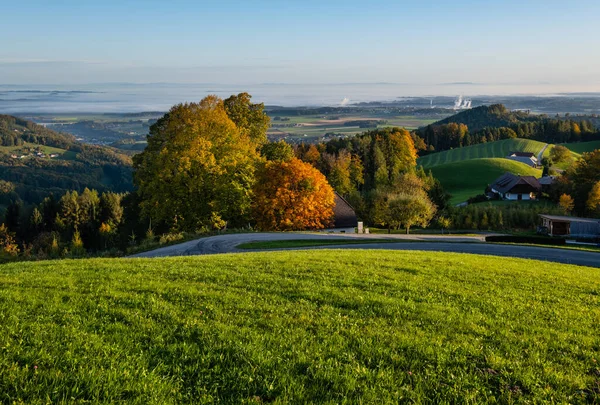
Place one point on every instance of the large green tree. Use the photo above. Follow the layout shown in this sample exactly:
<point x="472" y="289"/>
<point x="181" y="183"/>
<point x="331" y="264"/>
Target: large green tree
<point x="250" y="118"/>
<point x="198" y="168"/>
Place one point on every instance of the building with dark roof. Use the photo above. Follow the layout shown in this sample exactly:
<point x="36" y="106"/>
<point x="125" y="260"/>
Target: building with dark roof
<point x="344" y="217"/>
<point x="524" y="157"/>
<point x="556" y="225"/>
<point x="512" y="187"/>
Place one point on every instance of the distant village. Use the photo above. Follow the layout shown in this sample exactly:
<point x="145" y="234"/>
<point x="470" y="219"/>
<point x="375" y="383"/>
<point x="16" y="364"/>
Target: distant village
<point x="35" y="154"/>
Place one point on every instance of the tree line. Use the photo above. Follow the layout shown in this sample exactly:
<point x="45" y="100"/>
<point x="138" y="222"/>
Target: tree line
<point x="493" y="123"/>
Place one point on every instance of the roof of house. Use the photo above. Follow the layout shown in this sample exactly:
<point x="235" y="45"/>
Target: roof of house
<point x="561" y="218"/>
<point x="547" y="180"/>
<point x="523" y="154"/>
<point x="343" y="214"/>
<point x="529" y="161"/>
<point x="509" y="181"/>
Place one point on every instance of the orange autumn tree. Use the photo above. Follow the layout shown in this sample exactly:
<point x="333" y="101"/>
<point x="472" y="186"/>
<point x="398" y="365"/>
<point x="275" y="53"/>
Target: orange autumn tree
<point x="290" y="196"/>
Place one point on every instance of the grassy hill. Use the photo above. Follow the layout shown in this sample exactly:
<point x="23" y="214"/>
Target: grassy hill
<point x="470" y="177"/>
<point x="299" y="327"/>
<point x="581" y="147"/>
<point x="498" y="149"/>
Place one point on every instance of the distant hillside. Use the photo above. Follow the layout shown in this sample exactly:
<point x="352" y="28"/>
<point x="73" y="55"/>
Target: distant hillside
<point x="470" y="177"/>
<point x="498" y="149"/>
<point x="37" y="161"/>
<point x="494" y="116"/>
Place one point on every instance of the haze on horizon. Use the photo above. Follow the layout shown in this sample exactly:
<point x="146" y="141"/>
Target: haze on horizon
<point x="491" y="47"/>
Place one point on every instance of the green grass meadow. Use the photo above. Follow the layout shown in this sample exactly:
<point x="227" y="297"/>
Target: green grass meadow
<point x="470" y="177"/>
<point x="498" y="149"/>
<point x="327" y="326"/>
<point x="581" y="147"/>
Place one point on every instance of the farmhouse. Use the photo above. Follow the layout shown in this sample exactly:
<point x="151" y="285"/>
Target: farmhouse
<point x="524" y="157"/>
<point x="555" y="225"/>
<point x="512" y="187"/>
<point x="344" y="217"/>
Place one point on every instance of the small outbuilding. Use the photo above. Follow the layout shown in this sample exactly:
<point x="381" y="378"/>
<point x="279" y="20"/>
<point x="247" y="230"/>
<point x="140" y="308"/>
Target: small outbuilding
<point x="344" y="217"/>
<point x="556" y="225"/>
<point x="524" y="157"/>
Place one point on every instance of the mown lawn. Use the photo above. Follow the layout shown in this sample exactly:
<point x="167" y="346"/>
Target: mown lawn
<point x="498" y="149"/>
<point x="327" y="326"/>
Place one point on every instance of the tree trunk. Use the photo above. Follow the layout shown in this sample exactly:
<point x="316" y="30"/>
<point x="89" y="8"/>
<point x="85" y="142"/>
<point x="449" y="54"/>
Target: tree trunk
<point x="407" y="228"/>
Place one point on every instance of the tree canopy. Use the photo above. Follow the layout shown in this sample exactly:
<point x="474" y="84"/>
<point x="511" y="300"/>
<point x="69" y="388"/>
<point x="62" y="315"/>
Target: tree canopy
<point x="197" y="169"/>
<point x="249" y="117"/>
<point x="292" y="195"/>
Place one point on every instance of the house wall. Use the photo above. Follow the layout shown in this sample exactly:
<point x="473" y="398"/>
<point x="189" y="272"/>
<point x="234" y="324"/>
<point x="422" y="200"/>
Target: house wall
<point x="585" y="229"/>
<point x="515" y="197"/>
<point x="339" y="230"/>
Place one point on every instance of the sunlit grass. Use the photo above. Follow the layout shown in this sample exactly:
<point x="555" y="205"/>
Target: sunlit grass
<point x="327" y="326"/>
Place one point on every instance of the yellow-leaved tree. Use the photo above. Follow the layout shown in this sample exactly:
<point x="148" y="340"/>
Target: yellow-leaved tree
<point x="198" y="168"/>
<point x="593" y="201"/>
<point x="566" y="203"/>
<point x="292" y="195"/>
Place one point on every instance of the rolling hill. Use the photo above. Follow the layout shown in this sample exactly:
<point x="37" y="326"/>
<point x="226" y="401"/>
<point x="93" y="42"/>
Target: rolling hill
<point x="498" y="149"/>
<point x="581" y="147"/>
<point x="37" y="161"/>
<point x="327" y="326"/>
<point x="469" y="178"/>
<point x="495" y="116"/>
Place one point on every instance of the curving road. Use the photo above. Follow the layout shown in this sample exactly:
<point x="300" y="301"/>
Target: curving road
<point x="458" y="244"/>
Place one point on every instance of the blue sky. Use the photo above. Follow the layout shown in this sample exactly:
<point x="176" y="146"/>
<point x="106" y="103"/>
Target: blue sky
<point x="513" y="43"/>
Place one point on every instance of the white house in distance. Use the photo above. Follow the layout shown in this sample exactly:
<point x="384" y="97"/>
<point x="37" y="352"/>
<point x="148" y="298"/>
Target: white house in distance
<point x="512" y="187"/>
<point x="524" y="157"/>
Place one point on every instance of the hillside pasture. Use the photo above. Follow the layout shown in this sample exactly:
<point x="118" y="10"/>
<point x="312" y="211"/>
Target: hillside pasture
<point x="469" y="178"/>
<point x="498" y="149"/>
<point x="31" y="146"/>
<point x="327" y="326"/>
<point x="581" y="147"/>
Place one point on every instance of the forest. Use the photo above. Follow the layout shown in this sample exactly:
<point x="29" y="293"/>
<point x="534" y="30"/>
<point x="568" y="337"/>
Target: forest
<point x="493" y="123"/>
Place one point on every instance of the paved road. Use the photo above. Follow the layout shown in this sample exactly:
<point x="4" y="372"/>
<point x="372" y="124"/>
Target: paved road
<point x="459" y="244"/>
<point x="541" y="154"/>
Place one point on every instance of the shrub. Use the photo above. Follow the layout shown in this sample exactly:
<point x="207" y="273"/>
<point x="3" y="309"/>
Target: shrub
<point x="170" y="237"/>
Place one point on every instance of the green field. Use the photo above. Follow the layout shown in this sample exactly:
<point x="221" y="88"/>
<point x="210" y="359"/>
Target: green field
<point x="581" y="147"/>
<point x="470" y="177"/>
<point x="498" y="149"/>
<point x="311" y="128"/>
<point x="45" y="149"/>
<point x="299" y="327"/>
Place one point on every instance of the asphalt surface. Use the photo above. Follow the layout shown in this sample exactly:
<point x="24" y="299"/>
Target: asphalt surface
<point x="434" y="243"/>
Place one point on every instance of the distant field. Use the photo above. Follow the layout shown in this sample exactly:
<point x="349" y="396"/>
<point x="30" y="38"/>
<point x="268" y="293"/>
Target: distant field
<point x="581" y="147"/>
<point x="329" y="326"/>
<point x="470" y="177"/>
<point x="313" y="127"/>
<point x="498" y="149"/>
